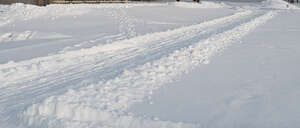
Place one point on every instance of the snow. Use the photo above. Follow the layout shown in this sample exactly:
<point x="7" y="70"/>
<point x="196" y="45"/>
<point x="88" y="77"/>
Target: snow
<point x="88" y="104"/>
<point x="225" y="93"/>
<point x="90" y="66"/>
<point x="14" y="36"/>
<point x="118" y="22"/>
<point x="203" y="4"/>
<point x="26" y="12"/>
<point x="278" y="4"/>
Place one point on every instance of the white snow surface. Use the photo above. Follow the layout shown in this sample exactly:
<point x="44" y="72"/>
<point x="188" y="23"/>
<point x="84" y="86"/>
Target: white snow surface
<point x="90" y="103"/>
<point x="86" y="66"/>
<point x="280" y="4"/>
<point x="203" y="4"/>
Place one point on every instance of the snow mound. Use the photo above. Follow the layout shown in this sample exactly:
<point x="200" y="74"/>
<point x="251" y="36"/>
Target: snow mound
<point x="279" y="4"/>
<point x="203" y="4"/>
<point x="16" y="36"/>
<point x="23" y="12"/>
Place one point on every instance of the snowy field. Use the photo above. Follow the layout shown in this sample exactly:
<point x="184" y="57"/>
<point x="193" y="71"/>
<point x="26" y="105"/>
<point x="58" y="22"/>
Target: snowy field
<point x="150" y="65"/>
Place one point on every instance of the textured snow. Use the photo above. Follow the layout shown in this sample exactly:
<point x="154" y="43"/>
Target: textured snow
<point x="280" y="4"/>
<point x="204" y="4"/>
<point x="247" y="84"/>
<point x="107" y="101"/>
<point x="85" y="66"/>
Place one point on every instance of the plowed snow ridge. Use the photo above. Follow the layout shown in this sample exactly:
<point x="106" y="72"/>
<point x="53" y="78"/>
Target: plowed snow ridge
<point x="105" y="103"/>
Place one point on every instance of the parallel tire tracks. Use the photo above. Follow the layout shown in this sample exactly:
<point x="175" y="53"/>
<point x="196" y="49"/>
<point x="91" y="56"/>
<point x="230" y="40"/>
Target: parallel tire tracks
<point x="77" y="69"/>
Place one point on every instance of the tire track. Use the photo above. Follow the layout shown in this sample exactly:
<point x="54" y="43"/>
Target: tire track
<point x="106" y="103"/>
<point x="52" y="75"/>
<point x="93" y="59"/>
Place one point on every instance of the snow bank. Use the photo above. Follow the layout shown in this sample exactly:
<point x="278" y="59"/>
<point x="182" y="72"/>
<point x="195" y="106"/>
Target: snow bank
<point x="107" y="101"/>
<point x="15" y="12"/>
<point x="19" y="11"/>
<point x="279" y="4"/>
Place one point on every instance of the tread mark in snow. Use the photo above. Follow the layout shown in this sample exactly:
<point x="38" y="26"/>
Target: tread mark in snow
<point x="149" y="74"/>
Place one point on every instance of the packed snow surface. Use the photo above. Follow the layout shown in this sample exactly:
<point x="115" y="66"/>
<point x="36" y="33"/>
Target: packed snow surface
<point x="88" y="66"/>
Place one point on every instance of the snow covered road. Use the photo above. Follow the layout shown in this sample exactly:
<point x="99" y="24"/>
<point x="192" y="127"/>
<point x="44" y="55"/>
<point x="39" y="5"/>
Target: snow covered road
<point x="95" y="85"/>
<point x="228" y="93"/>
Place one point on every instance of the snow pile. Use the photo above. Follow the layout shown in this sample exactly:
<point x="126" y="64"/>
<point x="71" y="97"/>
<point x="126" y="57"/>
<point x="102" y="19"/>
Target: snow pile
<point x="279" y="4"/>
<point x="105" y="103"/>
<point x="25" y="12"/>
<point x="16" y="36"/>
<point x="203" y="4"/>
<point x="19" y="11"/>
<point x="5" y="37"/>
